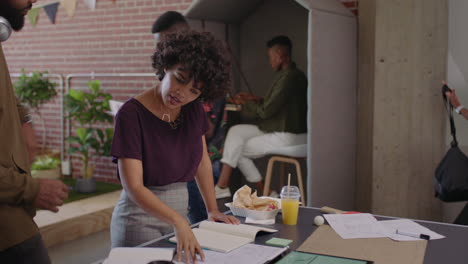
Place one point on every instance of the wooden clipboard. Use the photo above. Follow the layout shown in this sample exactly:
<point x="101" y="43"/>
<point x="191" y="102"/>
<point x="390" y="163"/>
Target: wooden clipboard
<point x="326" y="241"/>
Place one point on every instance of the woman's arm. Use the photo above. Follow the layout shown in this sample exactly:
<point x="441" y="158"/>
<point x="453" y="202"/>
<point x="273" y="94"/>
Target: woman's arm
<point x="205" y="183"/>
<point x="131" y="176"/>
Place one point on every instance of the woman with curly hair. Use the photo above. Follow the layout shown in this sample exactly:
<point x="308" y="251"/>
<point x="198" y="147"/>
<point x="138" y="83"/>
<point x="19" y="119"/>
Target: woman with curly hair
<point x="159" y="144"/>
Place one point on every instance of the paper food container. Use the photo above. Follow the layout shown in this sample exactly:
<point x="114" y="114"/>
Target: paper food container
<point x="254" y="214"/>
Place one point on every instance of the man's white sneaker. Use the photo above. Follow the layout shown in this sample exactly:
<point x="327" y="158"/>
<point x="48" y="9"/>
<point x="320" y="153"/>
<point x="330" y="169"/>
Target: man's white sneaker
<point x="222" y="192"/>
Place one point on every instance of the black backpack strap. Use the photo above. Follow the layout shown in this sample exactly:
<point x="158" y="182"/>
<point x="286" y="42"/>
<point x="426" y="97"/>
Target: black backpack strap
<point x="449" y="108"/>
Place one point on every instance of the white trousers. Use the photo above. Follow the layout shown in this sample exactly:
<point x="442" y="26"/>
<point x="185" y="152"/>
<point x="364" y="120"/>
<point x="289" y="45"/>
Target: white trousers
<point x="247" y="142"/>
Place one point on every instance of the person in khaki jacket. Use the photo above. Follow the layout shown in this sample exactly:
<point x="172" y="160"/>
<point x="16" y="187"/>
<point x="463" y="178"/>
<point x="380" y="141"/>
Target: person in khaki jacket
<point x="28" y="131"/>
<point x="20" y="194"/>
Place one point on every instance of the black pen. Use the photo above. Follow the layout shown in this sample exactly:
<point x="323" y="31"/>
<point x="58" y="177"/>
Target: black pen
<point x="415" y="235"/>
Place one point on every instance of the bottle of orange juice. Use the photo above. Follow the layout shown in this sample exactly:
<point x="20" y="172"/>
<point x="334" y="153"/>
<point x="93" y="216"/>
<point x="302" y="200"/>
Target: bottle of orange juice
<point x="290" y="196"/>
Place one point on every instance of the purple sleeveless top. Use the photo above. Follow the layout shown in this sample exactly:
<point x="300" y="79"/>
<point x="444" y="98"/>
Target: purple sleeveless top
<point x="167" y="155"/>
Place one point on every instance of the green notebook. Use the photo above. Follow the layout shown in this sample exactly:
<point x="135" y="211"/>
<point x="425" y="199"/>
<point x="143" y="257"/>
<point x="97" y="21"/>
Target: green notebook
<point x="309" y="258"/>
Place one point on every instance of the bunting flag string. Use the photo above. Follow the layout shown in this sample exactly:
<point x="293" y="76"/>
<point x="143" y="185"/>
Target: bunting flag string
<point x="51" y="11"/>
<point x="33" y="15"/>
<point x="70" y="6"/>
<point x="91" y="4"/>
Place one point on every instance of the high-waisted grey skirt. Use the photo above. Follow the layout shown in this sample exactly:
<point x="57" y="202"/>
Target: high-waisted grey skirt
<point x="132" y="226"/>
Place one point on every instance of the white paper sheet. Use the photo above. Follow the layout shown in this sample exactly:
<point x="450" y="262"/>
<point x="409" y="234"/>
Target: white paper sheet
<point x="366" y="226"/>
<point x="355" y="225"/>
<point x="129" y="255"/>
<point x="407" y="226"/>
<point x="247" y="254"/>
<point x="249" y="220"/>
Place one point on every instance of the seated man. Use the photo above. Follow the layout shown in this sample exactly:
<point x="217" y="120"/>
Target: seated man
<point x="282" y="118"/>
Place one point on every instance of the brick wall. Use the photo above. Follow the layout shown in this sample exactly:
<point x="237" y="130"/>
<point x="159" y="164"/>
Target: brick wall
<point x="115" y="38"/>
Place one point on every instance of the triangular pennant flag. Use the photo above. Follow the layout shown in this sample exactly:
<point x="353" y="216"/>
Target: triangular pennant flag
<point x="70" y="6"/>
<point x="91" y="4"/>
<point x="33" y="16"/>
<point x="51" y="11"/>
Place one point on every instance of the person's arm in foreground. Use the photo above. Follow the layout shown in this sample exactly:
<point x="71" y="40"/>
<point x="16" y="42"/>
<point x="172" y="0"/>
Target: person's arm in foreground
<point x="452" y="96"/>
<point x="27" y="130"/>
<point x="30" y="139"/>
<point x="131" y="176"/>
<point x="205" y="183"/>
<point x="20" y="188"/>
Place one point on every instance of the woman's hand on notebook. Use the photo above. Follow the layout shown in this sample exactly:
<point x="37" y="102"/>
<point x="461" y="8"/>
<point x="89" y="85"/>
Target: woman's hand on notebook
<point x="187" y="243"/>
<point x="217" y="216"/>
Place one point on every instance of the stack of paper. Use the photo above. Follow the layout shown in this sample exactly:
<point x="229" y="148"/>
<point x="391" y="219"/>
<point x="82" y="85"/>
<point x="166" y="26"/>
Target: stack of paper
<point x="366" y="226"/>
<point x="407" y="226"/>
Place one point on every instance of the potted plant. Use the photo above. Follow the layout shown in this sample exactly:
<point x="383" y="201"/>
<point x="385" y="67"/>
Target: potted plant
<point x="90" y="111"/>
<point x="46" y="167"/>
<point x="34" y="90"/>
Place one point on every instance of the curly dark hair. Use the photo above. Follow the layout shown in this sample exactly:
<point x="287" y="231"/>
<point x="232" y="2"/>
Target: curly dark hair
<point x="202" y="55"/>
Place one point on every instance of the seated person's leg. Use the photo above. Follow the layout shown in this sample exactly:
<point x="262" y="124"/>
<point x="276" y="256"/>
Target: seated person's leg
<point x="226" y="172"/>
<point x="233" y="147"/>
<point x="251" y="173"/>
<point x="261" y="146"/>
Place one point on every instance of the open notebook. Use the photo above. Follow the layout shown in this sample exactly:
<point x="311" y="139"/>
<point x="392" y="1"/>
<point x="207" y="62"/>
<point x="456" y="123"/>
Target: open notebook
<point x="129" y="255"/>
<point x="247" y="254"/>
<point x="225" y="237"/>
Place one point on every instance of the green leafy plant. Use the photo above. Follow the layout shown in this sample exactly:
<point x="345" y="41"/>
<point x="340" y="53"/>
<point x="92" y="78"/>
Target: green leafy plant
<point x="45" y="163"/>
<point x="90" y="111"/>
<point x="35" y="90"/>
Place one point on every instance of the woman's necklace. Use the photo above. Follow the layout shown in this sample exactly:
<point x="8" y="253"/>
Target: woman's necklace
<point x="174" y="124"/>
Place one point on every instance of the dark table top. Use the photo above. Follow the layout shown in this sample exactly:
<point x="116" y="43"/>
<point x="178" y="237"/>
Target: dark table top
<point x="453" y="249"/>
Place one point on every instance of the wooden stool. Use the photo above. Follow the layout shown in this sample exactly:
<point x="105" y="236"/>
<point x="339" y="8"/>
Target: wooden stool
<point x="269" y="172"/>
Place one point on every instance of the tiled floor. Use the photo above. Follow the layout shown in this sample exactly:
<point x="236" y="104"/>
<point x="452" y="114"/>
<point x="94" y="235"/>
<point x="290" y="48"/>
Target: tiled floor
<point x="84" y="250"/>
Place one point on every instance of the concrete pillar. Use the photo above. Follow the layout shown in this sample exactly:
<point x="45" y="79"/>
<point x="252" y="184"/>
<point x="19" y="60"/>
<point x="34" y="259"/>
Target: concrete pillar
<point x="401" y="121"/>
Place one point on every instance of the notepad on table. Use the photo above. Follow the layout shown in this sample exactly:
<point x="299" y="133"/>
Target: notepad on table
<point x="225" y="237"/>
<point x="247" y="254"/>
<point x="133" y="255"/>
<point x="311" y="258"/>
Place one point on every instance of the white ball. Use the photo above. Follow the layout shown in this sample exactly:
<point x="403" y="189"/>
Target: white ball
<point x="319" y="220"/>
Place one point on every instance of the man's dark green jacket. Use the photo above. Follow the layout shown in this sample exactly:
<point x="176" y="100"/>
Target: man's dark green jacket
<point x="284" y="108"/>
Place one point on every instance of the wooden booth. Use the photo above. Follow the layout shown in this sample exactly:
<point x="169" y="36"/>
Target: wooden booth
<point x="324" y="36"/>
